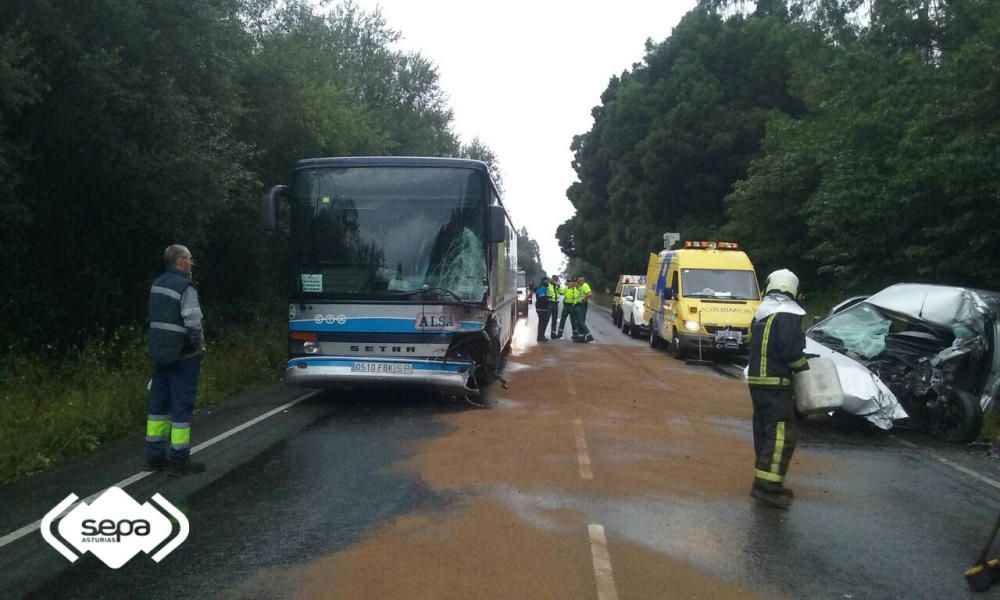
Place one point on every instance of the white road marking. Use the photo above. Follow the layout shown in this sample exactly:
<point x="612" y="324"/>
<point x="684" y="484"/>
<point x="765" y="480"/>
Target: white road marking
<point x="20" y="533"/>
<point x="582" y="456"/>
<point x="602" y="564"/>
<point x="956" y="466"/>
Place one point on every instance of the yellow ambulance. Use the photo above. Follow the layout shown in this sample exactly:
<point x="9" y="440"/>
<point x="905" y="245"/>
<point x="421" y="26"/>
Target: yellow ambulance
<point x="701" y="299"/>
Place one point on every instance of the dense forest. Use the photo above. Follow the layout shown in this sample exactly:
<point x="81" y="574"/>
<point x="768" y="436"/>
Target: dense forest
<point x="853" y="141"/>
<point x="128" y="125"/>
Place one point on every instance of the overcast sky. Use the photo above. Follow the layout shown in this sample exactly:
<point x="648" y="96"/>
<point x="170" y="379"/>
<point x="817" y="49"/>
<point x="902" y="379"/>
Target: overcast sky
<point x="524" y="76"/>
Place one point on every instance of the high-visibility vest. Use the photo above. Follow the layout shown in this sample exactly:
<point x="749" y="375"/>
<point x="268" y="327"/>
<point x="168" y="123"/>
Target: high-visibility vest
<point x="572" y="295"/>
<point x="583" y="291"/>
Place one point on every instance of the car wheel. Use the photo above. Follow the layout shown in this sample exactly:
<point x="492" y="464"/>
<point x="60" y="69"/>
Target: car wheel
<point x="632" y="331"/>
<point x="675" y="347"/>
<point x="624" y="326"/>
<point x="957" y="418"/>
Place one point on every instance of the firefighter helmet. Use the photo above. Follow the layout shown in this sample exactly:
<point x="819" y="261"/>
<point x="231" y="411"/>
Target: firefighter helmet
<point x="782" y="280"/>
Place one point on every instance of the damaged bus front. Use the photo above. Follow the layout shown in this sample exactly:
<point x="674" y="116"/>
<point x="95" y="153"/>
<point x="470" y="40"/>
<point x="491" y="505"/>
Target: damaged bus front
<point x="403" y="273"/>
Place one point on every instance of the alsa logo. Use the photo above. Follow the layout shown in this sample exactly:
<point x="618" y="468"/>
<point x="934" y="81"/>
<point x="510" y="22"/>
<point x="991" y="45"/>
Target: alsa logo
<point x="115" y="527"/>
<point x="721" y="309"/>
<point x="434" y="321"/>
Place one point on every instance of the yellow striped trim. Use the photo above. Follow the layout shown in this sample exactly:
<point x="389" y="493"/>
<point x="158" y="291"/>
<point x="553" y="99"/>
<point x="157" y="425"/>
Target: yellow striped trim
<point x="157" y="429"/>
<point x="779" y="446"/>
<point x="754" y="380"/>
<point x="768" y="476"/>
<point x="798" y="363"/>
<point x="763" y="345"/>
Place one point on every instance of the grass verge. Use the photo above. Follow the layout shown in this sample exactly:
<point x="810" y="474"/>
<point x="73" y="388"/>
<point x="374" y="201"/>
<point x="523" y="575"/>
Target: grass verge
<point x="53" y="407"/>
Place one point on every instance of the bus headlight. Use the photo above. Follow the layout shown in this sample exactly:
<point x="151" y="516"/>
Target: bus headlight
<point x="692" y="325"/>
<point x="310" y="347"/>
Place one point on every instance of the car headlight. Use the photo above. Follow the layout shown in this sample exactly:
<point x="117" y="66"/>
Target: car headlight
<point x="310" y="347"/>
<point x="692" y="325"/>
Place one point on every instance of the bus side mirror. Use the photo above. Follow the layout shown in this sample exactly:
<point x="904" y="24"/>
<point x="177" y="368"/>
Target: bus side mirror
<point x="269" y="206"/>
<point x="497" y="224"/>
<point x="671" y="294"/>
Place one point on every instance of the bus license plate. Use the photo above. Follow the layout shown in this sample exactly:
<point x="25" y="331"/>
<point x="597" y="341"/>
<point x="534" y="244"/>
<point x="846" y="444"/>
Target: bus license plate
<point x="382" y="368"/>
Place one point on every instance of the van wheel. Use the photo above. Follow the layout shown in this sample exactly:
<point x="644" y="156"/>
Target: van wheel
<point x="625" y="328"/>
<point x="631" y="327"/>
<point x="675" y="347"/>
<point x="654" y="340"/>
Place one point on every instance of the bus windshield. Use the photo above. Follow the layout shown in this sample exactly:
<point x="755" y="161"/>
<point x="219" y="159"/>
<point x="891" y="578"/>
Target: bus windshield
<point x="719" y="283"/>
<point x="396" y="233"/>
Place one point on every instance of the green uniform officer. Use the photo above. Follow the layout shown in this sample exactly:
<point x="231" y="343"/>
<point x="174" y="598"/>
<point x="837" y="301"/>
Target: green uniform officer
<point x="569" y="304"/>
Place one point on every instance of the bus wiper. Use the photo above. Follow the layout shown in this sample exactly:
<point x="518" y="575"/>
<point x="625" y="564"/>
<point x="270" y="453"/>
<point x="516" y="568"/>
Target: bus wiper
<point x="437" y="290"/>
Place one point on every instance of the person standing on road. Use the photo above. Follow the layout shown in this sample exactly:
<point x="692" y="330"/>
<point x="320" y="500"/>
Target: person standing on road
<point x="569" y="300"/>
<point x="777" y="350"/>
<point x="542" y="304"/>
<point x="554" y="304"/>
<point x="176" y="346"/>
<point x="583" y="297"/>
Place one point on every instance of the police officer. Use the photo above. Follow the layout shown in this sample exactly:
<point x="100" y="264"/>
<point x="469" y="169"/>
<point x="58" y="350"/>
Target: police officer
<point x="569" y="302"/>
<point x="176" y="345"/>
<point x="582" y="301"/>
<point x="542" y="304"/>
<point x="777" y="347"/>
<point x="554" y="304"/>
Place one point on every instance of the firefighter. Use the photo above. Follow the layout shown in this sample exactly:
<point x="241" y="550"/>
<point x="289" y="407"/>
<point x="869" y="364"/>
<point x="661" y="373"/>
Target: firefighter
<point x="542" y="305"/>
<point x="777" y="347"/>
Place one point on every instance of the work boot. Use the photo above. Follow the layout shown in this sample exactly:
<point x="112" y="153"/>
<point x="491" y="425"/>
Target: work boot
<point x="589" y="338"/>
<point x="771" y="498"/>
<point x="176" y="469"/>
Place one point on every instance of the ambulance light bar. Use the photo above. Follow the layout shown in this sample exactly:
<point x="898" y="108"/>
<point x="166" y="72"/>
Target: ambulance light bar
<point x="712" y="245"/>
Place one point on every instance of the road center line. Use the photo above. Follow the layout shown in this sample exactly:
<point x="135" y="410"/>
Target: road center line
<point x="582" y="456"/>
<point x="602" y="564"/>
<point x="20" y="533"/>
<point x="956" y="466"/>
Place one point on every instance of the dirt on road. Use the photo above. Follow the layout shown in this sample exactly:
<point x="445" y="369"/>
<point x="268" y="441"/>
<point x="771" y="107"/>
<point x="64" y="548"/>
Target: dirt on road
<point x="586" y="433"/>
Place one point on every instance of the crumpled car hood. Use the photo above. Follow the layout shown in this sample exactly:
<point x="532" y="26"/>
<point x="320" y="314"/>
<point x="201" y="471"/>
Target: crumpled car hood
<point x="864" y="393"/>
<point x="972" y="316"/>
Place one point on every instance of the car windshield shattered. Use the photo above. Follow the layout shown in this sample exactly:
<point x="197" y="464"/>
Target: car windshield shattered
<point x="924" y="351"/>
<point x="719" y="283"/>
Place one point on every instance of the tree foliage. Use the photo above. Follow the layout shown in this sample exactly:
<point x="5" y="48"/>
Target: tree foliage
<point x="128" y="125"/>
<point x="854" y="142"/>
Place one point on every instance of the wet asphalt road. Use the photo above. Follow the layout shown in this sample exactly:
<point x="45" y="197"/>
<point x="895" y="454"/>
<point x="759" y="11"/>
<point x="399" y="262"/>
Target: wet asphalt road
<point x="314" y="480"/>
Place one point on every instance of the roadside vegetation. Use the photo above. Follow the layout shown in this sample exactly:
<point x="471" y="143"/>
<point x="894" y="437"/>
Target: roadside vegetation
<point x="61" y="403"/>
<point x="126" y="126"/>
<point x="852" y="142"/>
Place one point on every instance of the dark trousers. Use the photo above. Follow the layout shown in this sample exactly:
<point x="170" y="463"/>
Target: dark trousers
<point x="774" y="433"/>
<point x="171" y="402"/>
<point x="543" y="322"/>
<point x="567" y="312"/>
<point x="581" y="328"/>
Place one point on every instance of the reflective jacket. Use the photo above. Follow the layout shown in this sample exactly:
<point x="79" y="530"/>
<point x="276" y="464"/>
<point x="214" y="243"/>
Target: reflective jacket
<point x="169" y="338"/>
<point x="777" y="347"/>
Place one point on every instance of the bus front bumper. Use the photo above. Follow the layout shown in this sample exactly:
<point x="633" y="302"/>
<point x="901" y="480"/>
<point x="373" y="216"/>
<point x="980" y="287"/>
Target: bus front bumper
<point x="325" y="372"/>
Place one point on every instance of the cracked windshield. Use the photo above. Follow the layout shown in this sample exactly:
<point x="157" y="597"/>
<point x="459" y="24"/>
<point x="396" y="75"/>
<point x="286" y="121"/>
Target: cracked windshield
<point x="391" y="233"/>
